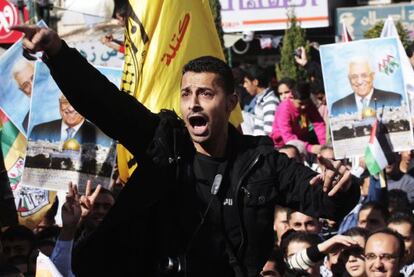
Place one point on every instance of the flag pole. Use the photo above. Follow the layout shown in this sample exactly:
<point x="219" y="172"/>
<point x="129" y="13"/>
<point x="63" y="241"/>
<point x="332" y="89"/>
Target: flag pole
<point x="382" y="174"/>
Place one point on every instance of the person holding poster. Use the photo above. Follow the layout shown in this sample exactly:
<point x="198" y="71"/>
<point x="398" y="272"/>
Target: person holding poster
<point x="361" y="78"/>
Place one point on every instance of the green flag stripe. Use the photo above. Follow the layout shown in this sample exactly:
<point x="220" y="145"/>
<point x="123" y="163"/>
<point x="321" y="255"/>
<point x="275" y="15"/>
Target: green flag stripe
<point x="371" y="163"/>
<point x="9" y="134"/>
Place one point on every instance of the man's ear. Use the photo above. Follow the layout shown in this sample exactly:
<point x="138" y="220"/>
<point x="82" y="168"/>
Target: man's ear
<point x="232" y="101"/>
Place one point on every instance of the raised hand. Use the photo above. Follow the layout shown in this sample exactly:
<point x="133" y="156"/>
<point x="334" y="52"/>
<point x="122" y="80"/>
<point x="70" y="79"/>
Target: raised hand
<point x="71" y="213"/>
<point x="87" y="201"/>
<point x="39" y="39"/>
<point x="303" y="59"/>
<point x="335" y="243"/>
<point x="336" y="177"/>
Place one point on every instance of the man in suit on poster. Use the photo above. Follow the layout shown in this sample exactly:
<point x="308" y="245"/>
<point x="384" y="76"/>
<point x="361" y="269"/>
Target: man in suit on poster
<point x="361" y="78"/>
<point x="72" y="125"/>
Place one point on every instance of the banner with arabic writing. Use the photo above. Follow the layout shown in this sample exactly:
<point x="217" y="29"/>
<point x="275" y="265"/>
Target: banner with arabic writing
<point x="162" y="37"/>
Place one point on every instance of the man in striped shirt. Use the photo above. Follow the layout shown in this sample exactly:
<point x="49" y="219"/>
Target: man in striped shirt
<point x="256" y="82"/>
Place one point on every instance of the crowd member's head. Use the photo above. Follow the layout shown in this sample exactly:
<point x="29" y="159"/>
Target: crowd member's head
<point x="17" y="241"/>
<point x="69" y="115"/>
<point x="207" y="99"/>
<point x="327" y="152"/>
<point x="352" y="259"/>
<point x="103" y="203"/>
<point x="405" y="161"/>
<point x="301" y="95"/>
<point x="300" y="146"/>
<point x="121" y="11"/>
<point x="280" y="223"/>
<point x="255" y="80"/>
<point x="46" y="239"/>
<point x="361" y="76"/>
<point x="398" y="201"/>
<point x="291" y="151"/>
<point x="392" y="169"/>
<point x="22" y="73"/>
<point x="284" y="88"/>
<point x="404" y="225"/>
<point x="294" y="242"/>
<point x="372" y="216"/>
<point x="384" y="252"/>
<point x="302" y="222"/>
<point x="318" y="92"/>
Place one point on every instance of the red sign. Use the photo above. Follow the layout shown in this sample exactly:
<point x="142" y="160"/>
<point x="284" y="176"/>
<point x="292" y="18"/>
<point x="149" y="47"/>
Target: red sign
<point x="9" y="16"/>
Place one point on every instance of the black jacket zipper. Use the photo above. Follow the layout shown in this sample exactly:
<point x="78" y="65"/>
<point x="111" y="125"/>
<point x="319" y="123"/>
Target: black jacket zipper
<point x="238" y="188"/>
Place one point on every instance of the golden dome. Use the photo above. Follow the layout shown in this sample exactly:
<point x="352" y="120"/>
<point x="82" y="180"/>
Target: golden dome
<point x="71" y="144"/>
<point x="368" y="112"/>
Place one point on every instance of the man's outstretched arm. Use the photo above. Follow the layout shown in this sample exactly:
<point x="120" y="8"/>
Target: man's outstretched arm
<point x="119" y="115"/>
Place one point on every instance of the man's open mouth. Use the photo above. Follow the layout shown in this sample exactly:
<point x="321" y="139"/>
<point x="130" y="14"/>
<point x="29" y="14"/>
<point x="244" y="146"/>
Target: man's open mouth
<point x="198" y="124"/>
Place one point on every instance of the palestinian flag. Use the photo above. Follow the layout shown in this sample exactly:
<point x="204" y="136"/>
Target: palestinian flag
<point x="13" y="146"/>
<point x="378" y="150"/>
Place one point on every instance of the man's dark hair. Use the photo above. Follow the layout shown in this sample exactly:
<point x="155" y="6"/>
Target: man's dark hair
<point x="301" y="91"/>
<point x="400" y="218"/>
<point x="280" y="209"/>
<point x="122" y="8"/>
<point x="298" y="236"/>
<point x="254" y="72"/>
<point x="390" y="232"/>
<point x="211" y="64"/>
<point x="289" y="82"/>
<point x="375" y="206"/>
<point x="357" y="231"/>
<point x="18" y="232"/>
<point x="400" y="199"/>
<point x="291" y="211"/>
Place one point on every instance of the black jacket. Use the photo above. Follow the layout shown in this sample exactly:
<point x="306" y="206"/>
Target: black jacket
<point x="157" y="212"/>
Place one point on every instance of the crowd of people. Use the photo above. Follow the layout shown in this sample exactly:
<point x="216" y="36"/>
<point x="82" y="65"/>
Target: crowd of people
<point x="209" y="201"/>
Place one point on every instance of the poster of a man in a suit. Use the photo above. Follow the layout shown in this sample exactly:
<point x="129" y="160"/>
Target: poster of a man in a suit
<point x="71" y="125"/>
<point x="364" y="83"/>
<point x="62" y="145"/>
<point x="361" y="78"/>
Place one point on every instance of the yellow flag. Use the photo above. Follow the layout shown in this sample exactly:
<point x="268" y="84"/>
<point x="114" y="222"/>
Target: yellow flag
<point x="162" y="36"/>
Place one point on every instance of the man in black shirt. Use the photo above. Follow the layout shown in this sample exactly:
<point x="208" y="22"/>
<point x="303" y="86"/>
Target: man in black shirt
<point x="202" y="192"/>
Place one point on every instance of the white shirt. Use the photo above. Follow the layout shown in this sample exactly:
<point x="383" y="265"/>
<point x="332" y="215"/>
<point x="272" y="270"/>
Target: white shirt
<point x="64" y="133"/>
<point x="363" y="101"/>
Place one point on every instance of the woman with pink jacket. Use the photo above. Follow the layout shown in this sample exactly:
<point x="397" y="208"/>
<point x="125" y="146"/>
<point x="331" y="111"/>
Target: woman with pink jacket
<point x="299" y="119"/>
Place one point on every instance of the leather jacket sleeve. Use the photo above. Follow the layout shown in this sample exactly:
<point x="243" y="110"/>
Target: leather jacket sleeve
<point x="293" y="179"/>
